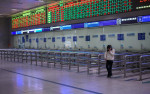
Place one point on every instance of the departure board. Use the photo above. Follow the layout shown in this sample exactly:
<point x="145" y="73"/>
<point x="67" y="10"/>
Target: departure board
<point x="66" y="10"/>
<point x="141" y="4"/>
<point x="77" y="9"/>
<point x="31" y="17"/>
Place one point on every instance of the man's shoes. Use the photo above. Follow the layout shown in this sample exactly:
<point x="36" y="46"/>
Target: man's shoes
<point x="109" y="76"/>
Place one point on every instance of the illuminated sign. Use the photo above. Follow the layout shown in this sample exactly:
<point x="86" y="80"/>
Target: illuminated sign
<point x="18" y="32"/>
<point x="144" y="18"/>
<point x="91" y="24"/>
<point x="55" y="28"/>
<point x="78" y="9"/>
<point x="45" y="29"/>
<point x="25" y="31"/>
<point x="38" y="30"/>
<point x="31" y="17"/>
<point x="81" y="25"/>
<point x="140" y="4"/>
<point x="13" y="33"/>
<point x="31" y="31"/>
<point x="107" y="23"/>
<point x="65" y="27"/>
<point x="129" y="20"/>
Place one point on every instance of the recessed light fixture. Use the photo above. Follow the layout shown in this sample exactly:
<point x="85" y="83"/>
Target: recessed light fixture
<point x="39" y="0"/>
<point x="14" y="9"/>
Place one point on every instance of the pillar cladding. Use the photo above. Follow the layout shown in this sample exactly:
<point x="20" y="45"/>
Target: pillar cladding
<point x="5" y="28"/>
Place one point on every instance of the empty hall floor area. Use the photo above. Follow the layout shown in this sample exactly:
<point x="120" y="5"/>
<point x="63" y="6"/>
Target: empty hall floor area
<point x="23" y="78"/>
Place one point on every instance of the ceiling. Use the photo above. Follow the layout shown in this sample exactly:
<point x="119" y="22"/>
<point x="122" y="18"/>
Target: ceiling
<point x="8" y="7"/>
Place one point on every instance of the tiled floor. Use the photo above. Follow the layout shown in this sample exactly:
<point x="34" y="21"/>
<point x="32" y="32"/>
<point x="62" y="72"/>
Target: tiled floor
<point x="22" y="78"/>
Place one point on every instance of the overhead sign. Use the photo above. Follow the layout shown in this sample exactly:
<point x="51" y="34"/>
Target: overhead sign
<point x="45" y="29"/>
<point x="127" y="20"/>
<point x="38" y="30"/>
<point x="55" y="28"/>
<point x="81" y="25"/>
<point x="144" y="18"/>
<point x="91" y="24"/>
<point x="140" y="4"/>
<point x="109" y="22"/>
<point x="19" y="32"/>
<point x="65" y="27"/>
<point x="13" y="33"/>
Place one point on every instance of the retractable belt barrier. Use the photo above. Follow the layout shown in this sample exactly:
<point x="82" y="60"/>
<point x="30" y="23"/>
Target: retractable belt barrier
<point x="127" y="64"/>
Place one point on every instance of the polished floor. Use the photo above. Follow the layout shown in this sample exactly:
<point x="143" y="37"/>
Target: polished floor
<point x="23" y="78"/>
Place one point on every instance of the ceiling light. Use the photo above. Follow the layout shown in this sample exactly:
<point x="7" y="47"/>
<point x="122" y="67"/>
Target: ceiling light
<point x="39" y="0"/>
<point x="14" y="9"/>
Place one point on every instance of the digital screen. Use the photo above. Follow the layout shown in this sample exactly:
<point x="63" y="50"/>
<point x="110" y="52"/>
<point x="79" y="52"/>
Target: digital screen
<point x="140" y="4"/>
<point x="31" y="17"/>
<point x="77" y="9"/>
